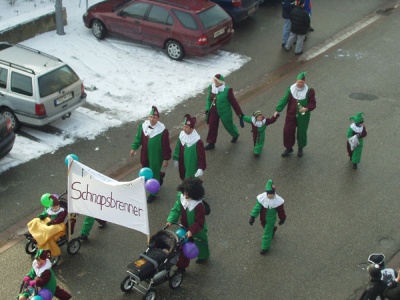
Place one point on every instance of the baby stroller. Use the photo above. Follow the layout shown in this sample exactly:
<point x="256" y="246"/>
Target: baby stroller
<point x="73" y="245"/>
<point x="154" y="265"/>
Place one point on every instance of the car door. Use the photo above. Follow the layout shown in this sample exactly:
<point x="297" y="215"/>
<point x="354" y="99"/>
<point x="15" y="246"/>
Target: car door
<point x="157" y="27"/>
<point x="128" y="21"/>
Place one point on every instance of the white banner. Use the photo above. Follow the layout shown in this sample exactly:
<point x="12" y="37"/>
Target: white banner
<point x="94" y="194"/>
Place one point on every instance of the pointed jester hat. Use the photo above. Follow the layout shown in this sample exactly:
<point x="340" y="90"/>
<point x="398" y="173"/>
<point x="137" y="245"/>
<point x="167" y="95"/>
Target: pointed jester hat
<point x="270" y="187"/>
<point x="302" y="76"/>
<point x="219" y="78"/>
<point x="154" y="112"/>
<point x="358" y="118"/>
<point x="189" y="121"/>
<point x="42" y="254"/>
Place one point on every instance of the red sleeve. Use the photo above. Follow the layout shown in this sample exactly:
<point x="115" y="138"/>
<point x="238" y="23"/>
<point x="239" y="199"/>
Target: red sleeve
<point x="364" y="132"/>
<point x="199" y="219"/>
<point x="60" y="218"/>
<point x="201" y="155"/>
<point x="44" y="279"/>
<point x="311" y="100"/>
<point x="166" y="148"/>
<point x="272" y="120"/>
<point x="234" y="102"/>
<point x="281" y="212"/>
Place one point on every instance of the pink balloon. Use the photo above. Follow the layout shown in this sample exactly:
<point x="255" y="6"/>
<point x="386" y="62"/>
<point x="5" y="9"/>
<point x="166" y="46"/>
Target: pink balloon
<point x="152" y="185"/>
<point x="190" y="250"/>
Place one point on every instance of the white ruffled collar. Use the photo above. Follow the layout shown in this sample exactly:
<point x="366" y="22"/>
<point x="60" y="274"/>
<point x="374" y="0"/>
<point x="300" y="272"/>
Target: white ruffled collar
<point x="39" y="270"/>
<point x="52" y="213"/>
<point x="356" y="129"/>
<point x="217" y="89"/>
<point x="299" y="94"/>
<point x="152" y="131"/>
<point x="258" y="123"/>
<point x="189" y="204"/>
<point x="270" y="203"/>
<point x="189" y="139"/>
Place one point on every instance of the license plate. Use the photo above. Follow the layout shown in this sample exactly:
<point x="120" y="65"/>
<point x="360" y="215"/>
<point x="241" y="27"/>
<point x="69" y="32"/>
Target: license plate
<point x="219" y="32"/>
<point x="252" y="11"/>
<point x="63" y="99"/>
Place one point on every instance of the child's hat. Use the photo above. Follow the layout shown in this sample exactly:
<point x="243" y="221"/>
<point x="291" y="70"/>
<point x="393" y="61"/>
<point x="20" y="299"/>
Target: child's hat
<point x="189" y="121"/>
<point x="219" y="78"/>
<point x="302" y="76"/>
<point x="42" y="254"/>
<point x="358" y="118"/>
<point x="257" y="113"/>
<point x="54" y="200"/>
<point x="154" y="112"/>
<point x="269" y="188"/>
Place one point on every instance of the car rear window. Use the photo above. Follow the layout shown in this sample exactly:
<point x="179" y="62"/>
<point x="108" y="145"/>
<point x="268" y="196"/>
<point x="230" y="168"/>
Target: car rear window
<point x="186" y="19"/>
<point x="56" y="80"/>
<point x="213" y="16"/>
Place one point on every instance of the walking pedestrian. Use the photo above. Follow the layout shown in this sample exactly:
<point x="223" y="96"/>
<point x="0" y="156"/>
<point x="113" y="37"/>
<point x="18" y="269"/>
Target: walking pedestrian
<point x="153" y="137"/>
<point x="268" y="205"/>
<point x="287" y="6"/>
<point x="355" y="138"/>
<point x="190" y="210"/>
<point x="219" y="103"/>
<point x="88" y="225"/>
<point x="300" y="101"/>
<point x="258" y="127"/>
<point x="300" y="23"/>
<point x="189" y="154"/>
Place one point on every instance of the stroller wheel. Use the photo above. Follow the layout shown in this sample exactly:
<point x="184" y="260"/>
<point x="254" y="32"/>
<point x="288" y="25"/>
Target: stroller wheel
<point x="73" y="246"/>
<point x="150" y="295"/>
<point x="127" y="284"/>
<point x="175" y="280"/>
<point x="54" y="260"/>
<point x="30" y="247"/>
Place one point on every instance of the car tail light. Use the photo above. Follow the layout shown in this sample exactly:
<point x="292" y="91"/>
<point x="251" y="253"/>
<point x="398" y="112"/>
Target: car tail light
<point x="236" y="3"/>
<point x="40" y="110"/>
<point x="82" y="89"/>
<point x="9" y="126"/>
<point x="202" y="40"/>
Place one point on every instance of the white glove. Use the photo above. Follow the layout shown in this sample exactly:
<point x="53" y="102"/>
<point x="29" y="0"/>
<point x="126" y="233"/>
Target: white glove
<point x="199" y="173"/>
<point x="176" y="163"/>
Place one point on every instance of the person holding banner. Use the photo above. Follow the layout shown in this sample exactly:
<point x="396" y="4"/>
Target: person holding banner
<point x="189" y="209"/>
<point x="189" y="154"/>
<point x="87" y="227"/>
<point x="153" y="137"/>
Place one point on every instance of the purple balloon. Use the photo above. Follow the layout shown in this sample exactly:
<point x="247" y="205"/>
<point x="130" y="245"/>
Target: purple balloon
<point x="190" y="250"/>
<point x="46" y="294"/>
<point x="152" y="185"/>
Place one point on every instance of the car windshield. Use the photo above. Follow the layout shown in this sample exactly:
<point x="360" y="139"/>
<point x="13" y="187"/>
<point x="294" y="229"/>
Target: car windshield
<point x="213" y="16"/>
<point x="56" y="80"/>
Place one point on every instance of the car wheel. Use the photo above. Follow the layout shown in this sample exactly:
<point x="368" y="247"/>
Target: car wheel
<point x="15" y="124"/>
<point x="98" y="29"/>
<point x="175" y="50"/>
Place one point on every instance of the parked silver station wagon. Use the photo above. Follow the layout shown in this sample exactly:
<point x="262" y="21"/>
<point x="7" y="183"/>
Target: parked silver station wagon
<point x="36" y="88"/>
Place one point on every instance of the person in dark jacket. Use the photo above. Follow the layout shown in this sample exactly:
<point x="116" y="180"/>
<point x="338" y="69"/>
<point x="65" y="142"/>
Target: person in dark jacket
<point x="376" y="286"/>
<point x="300" y="20"/>
<point x="287" y="6"/>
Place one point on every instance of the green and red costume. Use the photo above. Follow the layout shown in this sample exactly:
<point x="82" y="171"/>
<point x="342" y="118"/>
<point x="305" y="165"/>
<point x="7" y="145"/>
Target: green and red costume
<point x="267" y="209"/>
<point x="189" y="152"/>
<point x="192" y="216"/>
<point x="359" y="130"/>
<point x="258" y="129"/>
<point x="154" y="141"/>
<point x="294" y="98"/>
<point x="219" y="104"/>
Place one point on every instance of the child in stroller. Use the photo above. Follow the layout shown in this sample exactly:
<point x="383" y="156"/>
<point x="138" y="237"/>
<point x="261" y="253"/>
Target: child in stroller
<point x="49" y="230"/>
<point x="154" y="265"/>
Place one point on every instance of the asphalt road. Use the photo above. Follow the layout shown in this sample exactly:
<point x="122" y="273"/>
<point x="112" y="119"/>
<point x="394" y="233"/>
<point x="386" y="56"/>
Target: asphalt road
<point x="336" y="216"/>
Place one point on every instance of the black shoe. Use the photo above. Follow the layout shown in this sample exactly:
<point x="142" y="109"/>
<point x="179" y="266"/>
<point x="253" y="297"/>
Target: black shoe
<point x="263" y="252"/>
<point x="102" y="225"/>
<point x="256" y="155"/>
<point x="83" y="237"/>
<point x="354" y="166"/>
<point x="300" y="152"/>
<point x="151" y="198"/>
<point x="287" y="152"/>
<point x="162" y="175"/>
<point x="210" y="146"/>
<point x="300" y="53"/>
<point x="234" y="140"/>
<point x="200" y="261"/>
<point x="283" y="45"/>
<point x="311" y="29"/>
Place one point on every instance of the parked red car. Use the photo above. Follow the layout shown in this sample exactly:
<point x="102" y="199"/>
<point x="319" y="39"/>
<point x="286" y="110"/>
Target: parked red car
<point x="195" y="27"/>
